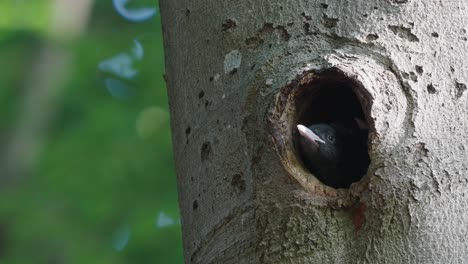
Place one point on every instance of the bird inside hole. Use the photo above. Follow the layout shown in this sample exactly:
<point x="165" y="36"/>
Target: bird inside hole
<point x="335" y="152"/>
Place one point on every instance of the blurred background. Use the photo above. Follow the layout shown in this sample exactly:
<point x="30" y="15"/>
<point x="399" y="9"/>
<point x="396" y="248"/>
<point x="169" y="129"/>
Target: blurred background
<point x="86" y="166"/>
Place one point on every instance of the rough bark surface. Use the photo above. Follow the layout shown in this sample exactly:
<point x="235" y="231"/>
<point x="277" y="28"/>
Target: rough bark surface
<point x="244" y="198"/>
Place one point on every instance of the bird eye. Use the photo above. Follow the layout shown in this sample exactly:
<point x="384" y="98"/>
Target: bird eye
<point x="331" y="138"/>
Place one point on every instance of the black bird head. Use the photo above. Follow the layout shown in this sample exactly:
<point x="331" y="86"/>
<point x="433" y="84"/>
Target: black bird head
<point x="320" y="143"/>
<point x="336" y="153"/>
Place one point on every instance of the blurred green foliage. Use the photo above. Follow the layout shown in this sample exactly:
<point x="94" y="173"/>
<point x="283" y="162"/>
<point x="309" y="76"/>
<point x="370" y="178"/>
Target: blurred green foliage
<point x="25" y="15"/>
<point x="103" y="188"/>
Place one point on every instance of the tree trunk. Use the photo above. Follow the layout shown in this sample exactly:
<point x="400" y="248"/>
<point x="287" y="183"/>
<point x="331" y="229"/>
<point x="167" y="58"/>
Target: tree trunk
<point x="242" y="74"/>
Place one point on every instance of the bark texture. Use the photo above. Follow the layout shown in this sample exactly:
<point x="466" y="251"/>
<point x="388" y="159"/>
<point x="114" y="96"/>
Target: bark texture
<point x="245" y="197"/>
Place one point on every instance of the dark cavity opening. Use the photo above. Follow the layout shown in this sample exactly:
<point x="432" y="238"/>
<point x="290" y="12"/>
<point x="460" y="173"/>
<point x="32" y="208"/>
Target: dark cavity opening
<point x="333" y="106"/>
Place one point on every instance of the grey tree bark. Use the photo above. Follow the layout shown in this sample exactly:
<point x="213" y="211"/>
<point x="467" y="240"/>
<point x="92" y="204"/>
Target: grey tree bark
<point x="235" y="72"/>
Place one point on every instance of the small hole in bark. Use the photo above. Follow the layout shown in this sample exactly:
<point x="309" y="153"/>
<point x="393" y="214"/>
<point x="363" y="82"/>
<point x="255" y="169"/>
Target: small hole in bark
<point x="201" y="94"/>
<point x="323" y="5"/>
<point x="329" y="22"/>
<point x="431" y="89"/>
<point x="460" y="89"/>
<point x="238" y="183"/>
<point x="335" y="107"/>
<point x="205" y="151"/>
<point x="306" y="27"/>
<point x="372" y="37"/>
<point x="195" y="205"/>
<point x="419" y="69"/>
<point x="229" y="25"/>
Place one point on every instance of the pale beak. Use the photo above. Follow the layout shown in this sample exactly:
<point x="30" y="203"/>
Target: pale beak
<point x="309" y="135"/>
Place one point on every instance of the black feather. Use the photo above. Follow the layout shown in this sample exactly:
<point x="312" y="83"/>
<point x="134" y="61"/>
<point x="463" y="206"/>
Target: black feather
<point x="342" y="159"/>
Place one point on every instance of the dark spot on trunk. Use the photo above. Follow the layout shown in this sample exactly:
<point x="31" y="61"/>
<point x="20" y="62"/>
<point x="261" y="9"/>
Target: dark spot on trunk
<point x="238" y="183"/>
<point x="431" y="89"/>
<point x="460" y="89"/>
<point x="419" y="69"/>
<point x="201" y="94"/>
<point x="306" y="27"/>
<point x="329" y="22"/>
<point x="205" y="151"/>
<point x="372" y="37"/>
<point x="195" y="205"/>
<point x="229" y="25"/>
<point x="323" y="5"/>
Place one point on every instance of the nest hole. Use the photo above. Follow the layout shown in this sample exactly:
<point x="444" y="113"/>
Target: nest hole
<point x="334" y="100"/>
